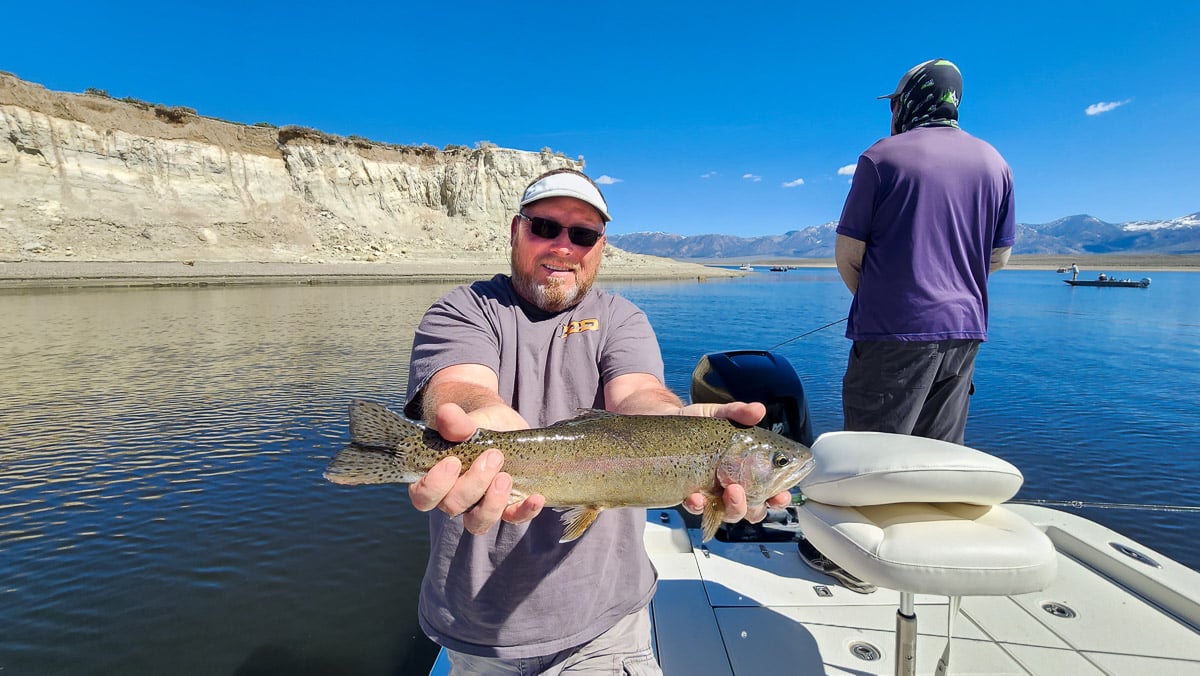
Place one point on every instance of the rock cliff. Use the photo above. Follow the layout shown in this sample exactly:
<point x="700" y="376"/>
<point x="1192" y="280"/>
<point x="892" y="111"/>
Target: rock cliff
<point x="91" y="178"/>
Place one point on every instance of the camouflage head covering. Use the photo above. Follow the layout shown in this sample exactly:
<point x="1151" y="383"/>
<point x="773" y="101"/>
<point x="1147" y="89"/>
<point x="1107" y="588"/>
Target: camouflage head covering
<point x="927" y="96"/>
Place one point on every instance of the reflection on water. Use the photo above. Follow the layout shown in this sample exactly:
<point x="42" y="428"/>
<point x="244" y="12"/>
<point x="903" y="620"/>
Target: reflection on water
<point x="161" y="502"/>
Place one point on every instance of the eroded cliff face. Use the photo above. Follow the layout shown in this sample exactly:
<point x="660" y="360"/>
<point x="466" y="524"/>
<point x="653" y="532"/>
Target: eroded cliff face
<point x="88" y="177"/>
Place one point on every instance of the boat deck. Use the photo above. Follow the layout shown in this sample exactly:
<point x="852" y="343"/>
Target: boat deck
<point x="756" y="607"/>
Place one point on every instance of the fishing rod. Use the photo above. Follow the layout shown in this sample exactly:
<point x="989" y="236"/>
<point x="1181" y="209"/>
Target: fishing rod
<point x="1075" y="504"/>
<point x="819" y="328"/>
<point x="786" y="515"/>
<point x="1081" y="504"/>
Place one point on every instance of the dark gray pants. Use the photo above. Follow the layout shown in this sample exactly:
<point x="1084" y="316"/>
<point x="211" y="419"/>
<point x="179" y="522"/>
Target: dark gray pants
<point x="914" y="388"/>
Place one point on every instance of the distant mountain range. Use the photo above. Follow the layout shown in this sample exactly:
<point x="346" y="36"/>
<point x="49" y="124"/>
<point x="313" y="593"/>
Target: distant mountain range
<point x="1071" y="235"/>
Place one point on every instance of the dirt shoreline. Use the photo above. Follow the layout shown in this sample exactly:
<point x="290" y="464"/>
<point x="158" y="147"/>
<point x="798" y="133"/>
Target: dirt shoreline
<point x="80" y="274"/>
<point x="1093" y="263"/>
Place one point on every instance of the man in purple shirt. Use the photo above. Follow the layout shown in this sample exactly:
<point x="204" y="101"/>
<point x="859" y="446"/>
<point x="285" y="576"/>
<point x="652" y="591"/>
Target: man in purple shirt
<point x="928" y="217"/>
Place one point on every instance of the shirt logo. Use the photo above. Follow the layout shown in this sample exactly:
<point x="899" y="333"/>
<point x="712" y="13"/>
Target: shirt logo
<point x="581" y="326"/>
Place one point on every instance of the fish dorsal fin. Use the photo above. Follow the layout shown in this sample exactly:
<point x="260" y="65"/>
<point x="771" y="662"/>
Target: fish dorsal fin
<point x="710" y="522"/>
<point x="586" y="415"/>
<point x="576" y="520"/>
<point x="374" y="425"/>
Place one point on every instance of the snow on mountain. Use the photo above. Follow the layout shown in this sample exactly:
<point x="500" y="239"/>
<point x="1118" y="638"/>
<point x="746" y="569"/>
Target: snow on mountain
<point x="1079" y="234"/>
<point x="1189" y="221"/>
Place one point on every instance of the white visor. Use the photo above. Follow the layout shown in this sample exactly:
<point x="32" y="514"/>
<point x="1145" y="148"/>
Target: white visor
<point x="567" y="184"/>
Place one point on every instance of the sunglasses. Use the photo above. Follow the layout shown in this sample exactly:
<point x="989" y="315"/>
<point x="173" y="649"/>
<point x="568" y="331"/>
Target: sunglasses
<point x="548" y="228"/>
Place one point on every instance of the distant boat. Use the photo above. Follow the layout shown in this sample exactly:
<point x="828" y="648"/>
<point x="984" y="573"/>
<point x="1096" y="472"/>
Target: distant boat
<point x="1109" y="281"/>
<point x="1103" y="279"/>
<point x="747" y="267"/>
<point x="780" y="268"/>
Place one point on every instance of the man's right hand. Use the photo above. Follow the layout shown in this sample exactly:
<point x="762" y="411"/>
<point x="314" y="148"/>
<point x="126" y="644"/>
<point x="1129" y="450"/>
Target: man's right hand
<point x="481" y="493"/>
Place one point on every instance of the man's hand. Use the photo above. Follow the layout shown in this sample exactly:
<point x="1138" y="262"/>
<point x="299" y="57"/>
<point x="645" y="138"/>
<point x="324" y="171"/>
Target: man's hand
<point x="736" y="508"/>
<point x="481" y="493"/>
<point x="745" y="413"/>
<point x="734" y="496"/>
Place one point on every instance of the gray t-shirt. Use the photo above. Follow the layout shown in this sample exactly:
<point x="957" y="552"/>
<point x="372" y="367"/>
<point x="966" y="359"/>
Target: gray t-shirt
<point x="515" y="591"/>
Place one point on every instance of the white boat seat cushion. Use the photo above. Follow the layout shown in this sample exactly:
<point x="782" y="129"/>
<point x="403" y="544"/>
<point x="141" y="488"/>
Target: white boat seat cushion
<point x="949" y="549"/>
<point x="879" y="468"/>
<point x="921" y="515"/>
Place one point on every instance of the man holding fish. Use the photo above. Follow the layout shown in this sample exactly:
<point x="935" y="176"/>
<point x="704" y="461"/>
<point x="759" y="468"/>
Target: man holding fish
<point x="506" y="590"/>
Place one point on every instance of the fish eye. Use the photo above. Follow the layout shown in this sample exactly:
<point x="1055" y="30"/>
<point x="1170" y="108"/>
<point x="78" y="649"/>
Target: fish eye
<point x="780" y="460"/>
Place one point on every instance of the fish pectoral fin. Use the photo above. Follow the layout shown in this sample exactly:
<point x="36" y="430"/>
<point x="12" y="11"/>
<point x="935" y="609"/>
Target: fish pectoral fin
<point x="576" y="520"/>
<point x="710" y="522"/>
<point x="516" y="496"/>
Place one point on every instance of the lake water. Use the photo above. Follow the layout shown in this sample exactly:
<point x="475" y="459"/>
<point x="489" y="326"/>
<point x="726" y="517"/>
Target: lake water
<point x="161" y="502"/>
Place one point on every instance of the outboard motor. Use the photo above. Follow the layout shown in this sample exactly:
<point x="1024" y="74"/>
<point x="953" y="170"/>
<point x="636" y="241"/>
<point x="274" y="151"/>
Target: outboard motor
<point x="756" y="375"/>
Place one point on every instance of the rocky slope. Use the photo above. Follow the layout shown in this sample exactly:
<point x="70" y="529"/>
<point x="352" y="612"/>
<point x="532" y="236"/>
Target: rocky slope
<point x="87" y="177"/>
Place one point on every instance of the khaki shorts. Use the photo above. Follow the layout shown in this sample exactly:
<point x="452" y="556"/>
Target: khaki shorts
<point x="624" y="649"/>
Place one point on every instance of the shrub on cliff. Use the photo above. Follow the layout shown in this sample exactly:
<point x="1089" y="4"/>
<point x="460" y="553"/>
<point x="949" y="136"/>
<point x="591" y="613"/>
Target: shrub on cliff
<point x="292" y="132"/>
<point x="174" y="114"/>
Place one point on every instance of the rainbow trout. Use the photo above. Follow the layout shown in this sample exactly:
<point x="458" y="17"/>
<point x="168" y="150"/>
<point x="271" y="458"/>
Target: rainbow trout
<point x="590" y="463"/>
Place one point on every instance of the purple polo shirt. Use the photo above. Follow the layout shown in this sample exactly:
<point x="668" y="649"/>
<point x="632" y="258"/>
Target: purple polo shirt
<point x="930" y="204"/>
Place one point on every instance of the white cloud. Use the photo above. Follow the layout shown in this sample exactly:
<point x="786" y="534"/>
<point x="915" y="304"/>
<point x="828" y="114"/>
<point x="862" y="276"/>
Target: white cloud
<point x="708" y="174"/>
<point x="605" y="179"/>
<point x="847" y="170"/>
<point x="752" y="177"/>
<point x="1104" y="107"/>
<point x="793" y="184"/>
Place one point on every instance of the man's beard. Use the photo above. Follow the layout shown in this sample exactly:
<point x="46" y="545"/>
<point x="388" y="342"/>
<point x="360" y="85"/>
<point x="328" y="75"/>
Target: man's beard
<point x="553" y="296"/>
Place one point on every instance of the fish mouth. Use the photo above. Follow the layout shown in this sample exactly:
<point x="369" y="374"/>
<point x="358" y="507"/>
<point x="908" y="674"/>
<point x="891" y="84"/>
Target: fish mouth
<point x="800" y="472"/>
<point x="785" y="482"/>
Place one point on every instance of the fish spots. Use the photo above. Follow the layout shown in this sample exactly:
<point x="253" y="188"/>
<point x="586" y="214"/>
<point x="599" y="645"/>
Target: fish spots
<point x="586" y="464"/>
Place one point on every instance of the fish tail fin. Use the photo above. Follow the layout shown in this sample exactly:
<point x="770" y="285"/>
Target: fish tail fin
<point x="710" y="522"/>
<point x="355" y="464"/>
<point x="373" y="424"/>
<point x="576" y="520"/>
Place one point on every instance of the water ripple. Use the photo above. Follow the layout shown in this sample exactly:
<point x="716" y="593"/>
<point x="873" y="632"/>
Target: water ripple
<point x="162" y="508"/>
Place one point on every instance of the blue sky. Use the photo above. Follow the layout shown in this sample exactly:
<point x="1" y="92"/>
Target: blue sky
<point x="707" y="117"/>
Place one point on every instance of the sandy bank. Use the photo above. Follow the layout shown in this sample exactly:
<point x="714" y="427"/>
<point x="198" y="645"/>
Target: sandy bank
<point x="1092" y="263"/>
<point x="1104" y="262"/>
<point x="77" y="274"/>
